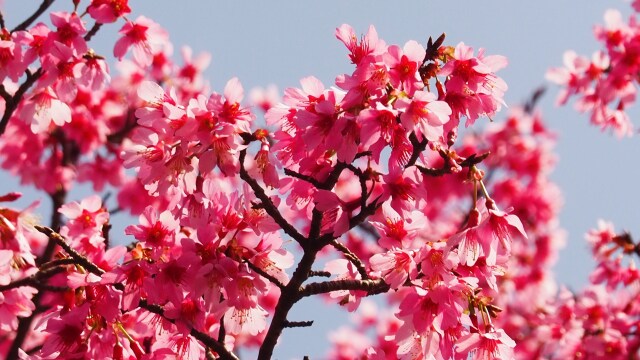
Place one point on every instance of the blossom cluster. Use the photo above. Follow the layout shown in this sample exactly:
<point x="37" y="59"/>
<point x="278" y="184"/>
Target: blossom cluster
<point x="370" y="184"/>
<point x="207" y="268"/>
<point x="605" y="84"/>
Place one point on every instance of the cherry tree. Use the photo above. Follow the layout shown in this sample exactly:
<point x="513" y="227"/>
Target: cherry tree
<point x="404" y="180"/>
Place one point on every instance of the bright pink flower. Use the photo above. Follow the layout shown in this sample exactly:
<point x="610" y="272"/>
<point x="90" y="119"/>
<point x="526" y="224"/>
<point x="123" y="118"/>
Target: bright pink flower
<point x="92" y="72"/>
<point x="228" y="107"/>
<point x="499" y="230"/>
<point x="86" y="219"/>
<point x="424" y="114"/>
<point x="156" y="231"/>
<point x="101" y="172"/>
<point x="468" y="241"/>
<point x="193" y="68"/>
<point x="571" y="76"/>
<point x="344" y="270"/>
<point x="14" y="303"/>
<point x="108" y="11"/>
<point x="403" y="66"/>
<point x="35" y="40"/>
<point x="245" y="315"/>
<point x="144" y="35"/>
<point x="266" y="164"/>
<point x="359" y="50"/>
<point x="11" y="62"/>
<point x="67" y="333"/>
<point x="189" y="313"/>
<point x="70" y="31"/>
<point x="473" y="89"/>
<point x="397" y="231"/>
<point x="336" y="212"/>
<point x="377" y="127"/>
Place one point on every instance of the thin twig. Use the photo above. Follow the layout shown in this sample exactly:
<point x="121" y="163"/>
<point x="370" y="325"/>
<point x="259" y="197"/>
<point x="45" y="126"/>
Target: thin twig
<point x="264" y="274"/>
<point x="34" y="279"/>
<point x="371" y="287"/>
<point x="353" y="258"/>
<point x="319" y="273"/>
<point x="267" y="204"/>
<point x="293" y="324"/>
<point x="199" y="335"/>
<point x="306" y="178"/>
<point x="25" y="24"/>
<point x="13" y="103"/>
<point x="80" y="260"/>
<point x="92" y="32"/>
<point x="418" y="148"/>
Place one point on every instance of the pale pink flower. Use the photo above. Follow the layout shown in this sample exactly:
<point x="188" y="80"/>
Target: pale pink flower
<point x="495" y="344"/>
<point x="263" y="98"/>
<point x="396" y="266"/>
<point x="43" y="108"/>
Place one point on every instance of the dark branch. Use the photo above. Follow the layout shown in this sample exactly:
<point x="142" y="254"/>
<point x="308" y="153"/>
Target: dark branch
<point x="202" y="337"/>
<point x="292" y="324"/>
<point x="25" y="24"/>
<point x="319" y="273"/>
<point x="264" y="274"/>
<point x="353" y="258"/>
<point x="306" y="178"/>
<point x="35" y="279"/>
<point x="92" y="32"/>
<point x="267" y="204"/>
<point x="80" y="260"/>
<point x="445" y="169"/>
<point x="13" y="103"/>
<point x="372" y="287"/>
<point x="418" y="148"/>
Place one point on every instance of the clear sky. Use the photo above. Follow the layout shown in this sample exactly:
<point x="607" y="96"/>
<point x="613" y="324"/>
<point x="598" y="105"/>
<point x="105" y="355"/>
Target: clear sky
<point x="279" y="42"/>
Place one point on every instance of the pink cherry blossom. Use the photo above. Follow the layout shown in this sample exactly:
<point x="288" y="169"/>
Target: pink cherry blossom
<point x="43" y="108"/>
<point x="108" y="11"/>
<point x="144" y="36"/>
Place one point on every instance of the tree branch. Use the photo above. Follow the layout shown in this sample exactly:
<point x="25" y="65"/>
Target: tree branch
<point x="207" y="340"/>
<point x="25" y="24"/>
<point x="353" y="258"/>
<point x="13" y="103"/>
<point x="80" y="260"/>
<point x="468" y="162"/>
<point x="306" y="178"/>
<point x="288" y="297"/>
<point x="92" y="32"/>
<point x="319" y="273"/>
<point x="418" y="148"/>
<point x="372" y="287"/>
<point x="264" y="274"/>
<point x="34" y="279"/>
<point x="267" y="204"/>
<point x="292" y="324"/>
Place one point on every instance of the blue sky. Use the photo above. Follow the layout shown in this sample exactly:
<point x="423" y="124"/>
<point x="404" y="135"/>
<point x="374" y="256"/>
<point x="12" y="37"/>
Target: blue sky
<point x="280" y="42"/>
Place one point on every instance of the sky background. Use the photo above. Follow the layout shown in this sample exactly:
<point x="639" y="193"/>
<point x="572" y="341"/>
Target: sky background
<point x="279" y="42"/>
